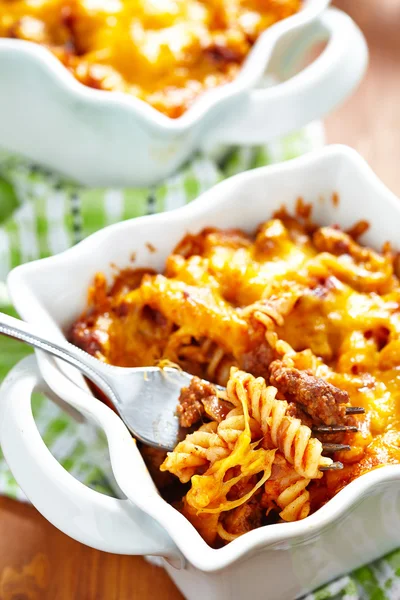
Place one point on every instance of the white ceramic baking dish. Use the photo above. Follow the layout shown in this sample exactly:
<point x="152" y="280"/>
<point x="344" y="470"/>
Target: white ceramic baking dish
<point x="277" y="562"/>
<point x="112" y="139"/>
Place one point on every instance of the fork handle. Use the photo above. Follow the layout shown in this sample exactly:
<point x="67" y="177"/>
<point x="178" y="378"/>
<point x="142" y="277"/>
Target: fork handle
<point x="87" y="364"/>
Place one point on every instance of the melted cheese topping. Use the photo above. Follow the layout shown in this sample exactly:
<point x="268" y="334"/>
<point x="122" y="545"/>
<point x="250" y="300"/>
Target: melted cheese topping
<point x="166" y="52"/>
<point x="335" y="303"/>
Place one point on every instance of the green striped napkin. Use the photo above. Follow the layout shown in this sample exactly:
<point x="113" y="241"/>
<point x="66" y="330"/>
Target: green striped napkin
<point x="42" y="214"/>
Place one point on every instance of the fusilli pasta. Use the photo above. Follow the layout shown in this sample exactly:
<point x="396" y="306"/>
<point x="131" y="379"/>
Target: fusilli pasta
<point x="203" y="447"/>
<point x="281" y="431"/>
<point x="287" y="490"/>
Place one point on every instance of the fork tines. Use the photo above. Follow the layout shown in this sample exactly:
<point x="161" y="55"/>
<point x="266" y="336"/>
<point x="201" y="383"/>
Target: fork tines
<point x="334" y="428"/>
<point x="328" y="447"/>
<point x="350" y="410"/>
<point x="335" y="447"/>
<point x="355" y="410"/>
<point x="335" y="466"/>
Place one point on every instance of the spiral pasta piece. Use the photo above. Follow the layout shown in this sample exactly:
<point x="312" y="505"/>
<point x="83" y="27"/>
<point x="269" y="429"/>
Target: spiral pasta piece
<point x="287" y="490"/>
<point x="218" y="362"/>
<point x="293" y="497"/>
<point x="256" y="442"/>
<point x="270" y="314"/>
<point x="366" y="270"/>
<point x="234" y="424"/>
<point x="280" y="431"/>
<point x="295" y="501"/>
<point x="226" y="535"/>
<point x="210" y="491"/>
<point x="198" y="449"/>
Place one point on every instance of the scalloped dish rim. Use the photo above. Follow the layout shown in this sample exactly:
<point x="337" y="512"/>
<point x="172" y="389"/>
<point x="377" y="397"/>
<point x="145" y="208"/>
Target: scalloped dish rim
<point x="249" y="75"/>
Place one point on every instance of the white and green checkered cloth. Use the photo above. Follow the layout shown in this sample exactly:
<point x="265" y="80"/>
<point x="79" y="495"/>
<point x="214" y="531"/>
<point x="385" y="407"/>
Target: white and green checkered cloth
<point x="42" y="214"/>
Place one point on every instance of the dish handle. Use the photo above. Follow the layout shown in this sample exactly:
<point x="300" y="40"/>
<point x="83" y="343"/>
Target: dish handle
<point x="100" y="521"/>
<point x="310" y="94"/>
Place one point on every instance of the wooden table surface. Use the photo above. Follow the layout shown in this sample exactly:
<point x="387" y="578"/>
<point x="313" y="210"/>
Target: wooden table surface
<point x="37" y="562"/>
<point x="370" y="120"/>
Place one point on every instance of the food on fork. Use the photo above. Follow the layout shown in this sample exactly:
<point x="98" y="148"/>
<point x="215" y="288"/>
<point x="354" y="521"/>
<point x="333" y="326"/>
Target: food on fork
<point x="229" y="462"/>
<point x="302" y="324"/>
<point x="166" y="52"/>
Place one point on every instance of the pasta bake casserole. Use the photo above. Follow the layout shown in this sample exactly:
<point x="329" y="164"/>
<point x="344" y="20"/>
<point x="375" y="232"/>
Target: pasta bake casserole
<point x="299" y="322"/>
<point x="166" y="52"/>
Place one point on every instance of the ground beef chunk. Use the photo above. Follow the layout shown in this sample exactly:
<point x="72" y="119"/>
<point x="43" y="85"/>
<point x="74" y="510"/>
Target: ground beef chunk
<point x="324" y="402"/>
<point x="222" y="55"/>
<point x="396" y="264"/>
<point x="190" y="408"/>
<point x="257" y="360"/>
<point x="200" y="400"/>
<point x="216" y="408"/>
<point x="358" y="229"/>
<point x="83" y="335"/>
<point x="295" y="410"/>
<point x="334" y="241"/>
<point x="244" y="518"/>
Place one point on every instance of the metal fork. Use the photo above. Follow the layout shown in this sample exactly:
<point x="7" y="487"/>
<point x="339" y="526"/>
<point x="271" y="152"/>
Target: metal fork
<point x="145" y="397"/>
